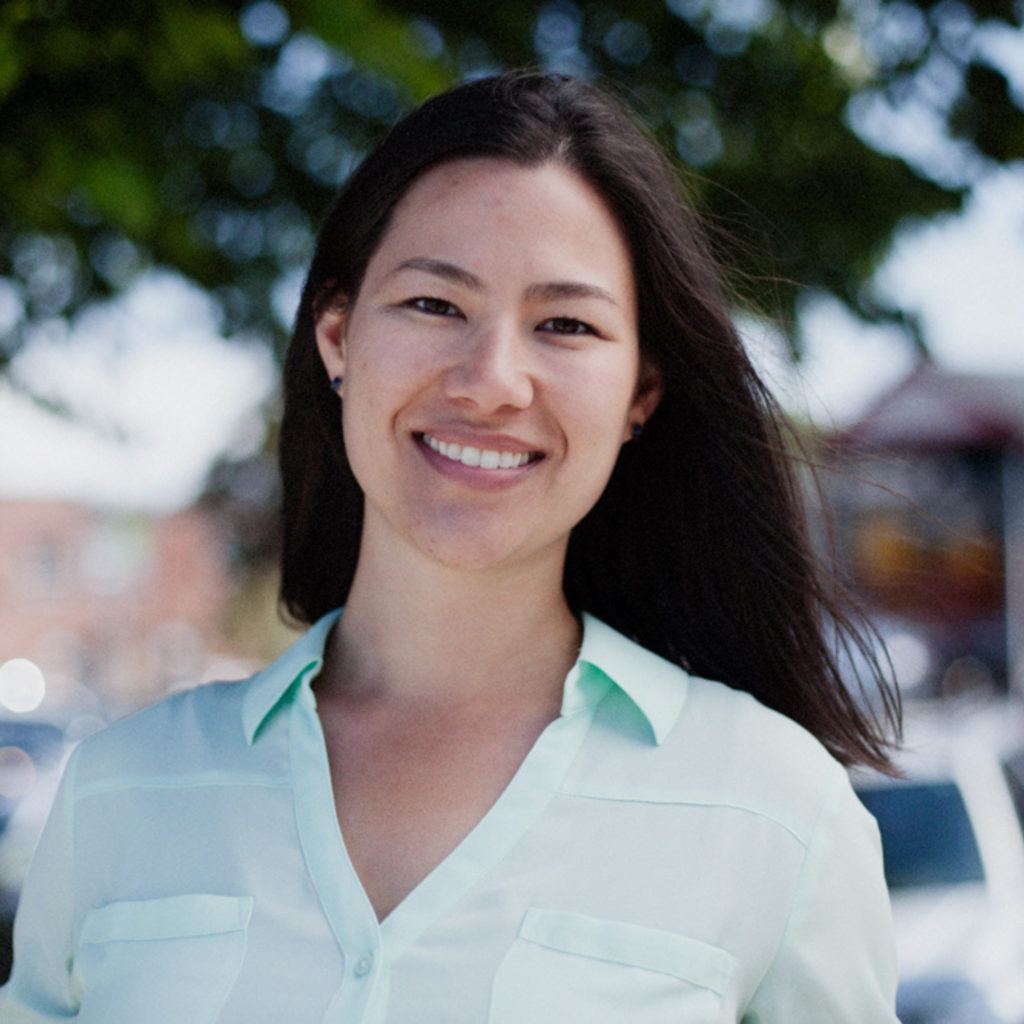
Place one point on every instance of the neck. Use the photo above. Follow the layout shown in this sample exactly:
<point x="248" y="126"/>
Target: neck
<point x="436" y="632"/>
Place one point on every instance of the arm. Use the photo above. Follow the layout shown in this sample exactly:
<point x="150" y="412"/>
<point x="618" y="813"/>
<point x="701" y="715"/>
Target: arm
<point x="836" y="961"/>
<point x="40" y="989"/>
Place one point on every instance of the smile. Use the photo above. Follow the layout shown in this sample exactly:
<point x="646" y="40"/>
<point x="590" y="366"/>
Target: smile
<point x="485" y="458"/>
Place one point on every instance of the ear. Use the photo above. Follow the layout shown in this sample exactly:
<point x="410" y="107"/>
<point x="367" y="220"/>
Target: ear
<point x="330" y="339"/>
<point x="649" y="389"/>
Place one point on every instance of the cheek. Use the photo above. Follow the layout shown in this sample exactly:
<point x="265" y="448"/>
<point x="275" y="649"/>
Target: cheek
<point x="374" y="372"/>
<point x="381" y="383"/>
<point x="597" y="435"/>
<point x="389" y="362"/>
<point x="604" y="402"/>
<point x="362" y="421"/>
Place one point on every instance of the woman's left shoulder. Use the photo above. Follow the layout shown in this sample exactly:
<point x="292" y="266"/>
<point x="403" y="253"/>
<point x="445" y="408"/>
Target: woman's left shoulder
<point x="756" y="757"/>
<point x="703" y="742"/>
<point x="749" y="729"/>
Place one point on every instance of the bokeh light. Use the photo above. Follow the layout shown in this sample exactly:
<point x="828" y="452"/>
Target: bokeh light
<point x="22" y="685"/>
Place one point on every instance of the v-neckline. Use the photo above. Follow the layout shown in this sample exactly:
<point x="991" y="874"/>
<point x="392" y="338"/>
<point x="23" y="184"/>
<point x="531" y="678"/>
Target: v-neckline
<point x="518" y="805"/>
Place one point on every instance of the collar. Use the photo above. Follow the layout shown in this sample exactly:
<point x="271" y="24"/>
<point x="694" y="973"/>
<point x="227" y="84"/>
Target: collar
<point x="300" y="663"/>
<point x="656" y="686"/>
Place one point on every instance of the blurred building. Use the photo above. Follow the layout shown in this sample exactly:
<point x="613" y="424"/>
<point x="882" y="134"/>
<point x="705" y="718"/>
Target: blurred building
<point x="120" y="605"/>
<point x="929" y="499"/>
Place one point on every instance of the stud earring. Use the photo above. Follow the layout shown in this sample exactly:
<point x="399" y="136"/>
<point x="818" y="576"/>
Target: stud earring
<point x="636" y="430"/>
<point x="336" y="383"/>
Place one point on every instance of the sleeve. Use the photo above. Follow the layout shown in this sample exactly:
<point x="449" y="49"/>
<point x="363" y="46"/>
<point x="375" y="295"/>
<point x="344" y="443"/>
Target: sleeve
<point x="836" y="960"/>
<point x="40" y="989"/>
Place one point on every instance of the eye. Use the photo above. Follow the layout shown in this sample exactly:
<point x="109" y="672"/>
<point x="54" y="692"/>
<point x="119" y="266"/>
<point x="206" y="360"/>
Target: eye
<point x="432" y="306"/>
<point x="566" y="325"/>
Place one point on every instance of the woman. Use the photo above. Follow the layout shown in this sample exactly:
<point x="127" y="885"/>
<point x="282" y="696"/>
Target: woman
<point x="519" y="428"/>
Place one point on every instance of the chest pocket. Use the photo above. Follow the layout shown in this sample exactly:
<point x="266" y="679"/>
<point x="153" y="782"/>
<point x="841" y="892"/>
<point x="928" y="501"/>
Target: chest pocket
<point x="172" y="960"/>
<point x="565" y="968"/>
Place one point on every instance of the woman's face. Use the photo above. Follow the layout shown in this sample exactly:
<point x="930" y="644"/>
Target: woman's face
<point x="490" y="363"/>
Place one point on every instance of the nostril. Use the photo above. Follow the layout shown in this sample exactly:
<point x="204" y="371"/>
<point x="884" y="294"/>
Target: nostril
<point x="491" y="379"/>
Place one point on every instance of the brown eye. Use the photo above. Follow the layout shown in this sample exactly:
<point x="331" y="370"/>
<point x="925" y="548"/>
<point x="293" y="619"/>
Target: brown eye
<point x="432" y="306"/>
<point x="566" y="325"/>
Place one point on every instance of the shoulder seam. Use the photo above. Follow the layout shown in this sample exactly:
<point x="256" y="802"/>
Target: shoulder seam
<point x="696" y="801"/>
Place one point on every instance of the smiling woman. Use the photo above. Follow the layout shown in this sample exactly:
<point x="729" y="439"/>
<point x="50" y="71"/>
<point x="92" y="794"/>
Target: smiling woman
<point x="497" y="318"/>
<point x="525" y="450"/>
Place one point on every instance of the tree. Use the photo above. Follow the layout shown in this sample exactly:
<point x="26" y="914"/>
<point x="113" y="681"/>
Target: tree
<point x="209" y="135"/>
<point x="205" y="136"/>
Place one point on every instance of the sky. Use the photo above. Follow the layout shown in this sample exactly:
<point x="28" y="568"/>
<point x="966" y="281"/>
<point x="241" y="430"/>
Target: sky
<point x="157" y="394"/>
<point x="961" y="274"/>
<point x="154" y="395"/>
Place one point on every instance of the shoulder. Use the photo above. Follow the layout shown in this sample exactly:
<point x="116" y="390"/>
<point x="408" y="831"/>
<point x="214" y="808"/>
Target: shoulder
<point x="757" y="758"/>
<point x="211" y="727"/>
<point x="192" y="729"/>
<point x="713" y="747"/>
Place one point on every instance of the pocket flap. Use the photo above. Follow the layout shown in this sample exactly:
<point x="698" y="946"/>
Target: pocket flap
<point x="634" y="945"/>
<point x="169" y="917"/>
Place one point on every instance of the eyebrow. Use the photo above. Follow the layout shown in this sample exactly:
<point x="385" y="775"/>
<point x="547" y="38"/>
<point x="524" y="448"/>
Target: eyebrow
<point x="546" y="290"/>
<point x="569" y="290"/>
<point x="439" y="268"/>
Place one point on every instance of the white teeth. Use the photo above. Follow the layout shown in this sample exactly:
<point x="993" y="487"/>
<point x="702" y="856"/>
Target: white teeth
<point x="485" y="458"/>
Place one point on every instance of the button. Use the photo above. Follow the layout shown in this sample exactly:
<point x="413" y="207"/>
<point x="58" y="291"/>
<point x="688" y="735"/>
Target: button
<point x="363" y="966"/>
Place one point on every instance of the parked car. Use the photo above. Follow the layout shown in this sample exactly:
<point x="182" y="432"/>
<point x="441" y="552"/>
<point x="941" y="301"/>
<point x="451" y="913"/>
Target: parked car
<point x="31" y="758"/>
<point x="953" y="841"/>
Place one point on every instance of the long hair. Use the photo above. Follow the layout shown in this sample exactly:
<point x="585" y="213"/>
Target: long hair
<point x="698" y="548"/>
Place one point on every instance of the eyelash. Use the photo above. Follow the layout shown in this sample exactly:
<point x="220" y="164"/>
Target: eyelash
<point x="429" y="304"/>
<point x="575" y="326"/>
<point x="561" y="325"/>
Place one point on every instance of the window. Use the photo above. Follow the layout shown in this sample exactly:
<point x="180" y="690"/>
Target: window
<point x="927" y="838"/>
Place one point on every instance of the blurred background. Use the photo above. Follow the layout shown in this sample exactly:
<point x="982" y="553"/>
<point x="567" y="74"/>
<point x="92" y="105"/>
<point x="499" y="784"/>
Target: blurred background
<point x="163" y="168"/>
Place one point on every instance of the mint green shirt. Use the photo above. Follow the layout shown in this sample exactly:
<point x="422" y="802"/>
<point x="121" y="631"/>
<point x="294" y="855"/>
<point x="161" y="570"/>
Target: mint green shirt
<point x="669" y="850"/>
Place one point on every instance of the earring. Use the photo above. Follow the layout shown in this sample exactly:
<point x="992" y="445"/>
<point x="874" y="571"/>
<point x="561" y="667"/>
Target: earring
<point x="636" y="430"/>
<point x="336" y="383"/>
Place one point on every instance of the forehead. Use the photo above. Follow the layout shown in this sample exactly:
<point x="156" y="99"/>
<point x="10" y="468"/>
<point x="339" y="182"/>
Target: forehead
<point x="467" y="177"/>
<point x="490" y="208"/>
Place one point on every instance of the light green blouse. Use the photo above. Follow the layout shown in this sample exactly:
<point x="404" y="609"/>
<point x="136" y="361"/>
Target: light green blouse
<point x="669" y="850"/>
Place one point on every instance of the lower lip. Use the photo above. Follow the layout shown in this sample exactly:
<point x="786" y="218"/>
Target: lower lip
<point x="475" y="476"/>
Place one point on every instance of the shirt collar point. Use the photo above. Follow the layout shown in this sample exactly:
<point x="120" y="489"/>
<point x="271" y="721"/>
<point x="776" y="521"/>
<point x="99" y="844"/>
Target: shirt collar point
<point x="268" y="687"/>
<point x="656" y="687"/>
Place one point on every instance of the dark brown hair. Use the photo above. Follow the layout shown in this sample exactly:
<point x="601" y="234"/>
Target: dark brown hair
<point x="698" y="547"/>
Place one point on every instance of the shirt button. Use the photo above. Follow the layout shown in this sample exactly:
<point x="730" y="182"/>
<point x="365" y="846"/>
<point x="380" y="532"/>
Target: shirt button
<point x="363" y="966"/>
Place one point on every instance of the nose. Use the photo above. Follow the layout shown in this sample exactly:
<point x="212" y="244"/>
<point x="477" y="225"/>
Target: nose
<point x="492" y="369"/>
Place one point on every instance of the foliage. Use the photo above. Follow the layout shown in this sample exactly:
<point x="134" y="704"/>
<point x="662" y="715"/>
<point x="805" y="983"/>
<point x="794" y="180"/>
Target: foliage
<point x="209" y="135"/>
<point x="789" y="113"/>
<point x="206" y="136"/>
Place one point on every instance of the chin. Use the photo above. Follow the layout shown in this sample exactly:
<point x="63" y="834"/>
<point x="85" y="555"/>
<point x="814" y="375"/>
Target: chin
<point x="464" y="557"/>
<point x="481" y="550"/>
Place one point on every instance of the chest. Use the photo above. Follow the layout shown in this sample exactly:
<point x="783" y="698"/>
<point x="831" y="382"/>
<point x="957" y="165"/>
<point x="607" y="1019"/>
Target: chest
<point x="410" y="784"/>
